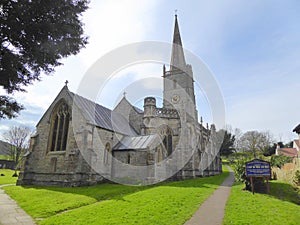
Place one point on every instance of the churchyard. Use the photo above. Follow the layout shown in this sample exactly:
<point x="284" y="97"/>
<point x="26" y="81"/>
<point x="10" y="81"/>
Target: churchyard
<point x="166" y="203"/>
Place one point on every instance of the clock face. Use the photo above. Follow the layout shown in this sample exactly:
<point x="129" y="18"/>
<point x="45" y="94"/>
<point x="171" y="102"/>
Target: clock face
<point x="175" y="98"/>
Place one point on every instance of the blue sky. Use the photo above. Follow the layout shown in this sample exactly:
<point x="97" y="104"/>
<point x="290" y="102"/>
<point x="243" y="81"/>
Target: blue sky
<point x="251" y="47"/>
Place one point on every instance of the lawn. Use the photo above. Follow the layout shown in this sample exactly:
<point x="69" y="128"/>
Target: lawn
<point x="167" y="203"/>
<point x="41" y="202"/>
<point x="7" y="178"/>
<point x="5" y="157"/>
<point x="282" y="206"/>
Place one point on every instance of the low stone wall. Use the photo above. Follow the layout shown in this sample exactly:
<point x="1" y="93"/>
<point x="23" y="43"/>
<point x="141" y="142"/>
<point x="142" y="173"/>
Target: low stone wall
<point x="287" y="171"/>
<point x="7" y="164"/>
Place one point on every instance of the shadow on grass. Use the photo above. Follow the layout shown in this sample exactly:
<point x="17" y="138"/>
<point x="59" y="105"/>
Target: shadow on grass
<point x="99" y="192"/>
<point x="102" y="192"/>
<point x="285" y="192"/>
<point x="279" y="190"/>
<point x="204" y="182"/>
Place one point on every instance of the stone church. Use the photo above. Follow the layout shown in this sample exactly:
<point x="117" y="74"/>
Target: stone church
<point x="79" y="142"/>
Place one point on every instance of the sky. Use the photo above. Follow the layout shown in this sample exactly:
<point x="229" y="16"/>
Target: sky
<point x="252" y="48"/>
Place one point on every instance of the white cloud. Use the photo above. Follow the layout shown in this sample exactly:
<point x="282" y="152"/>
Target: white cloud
<point x="109" y="24"/>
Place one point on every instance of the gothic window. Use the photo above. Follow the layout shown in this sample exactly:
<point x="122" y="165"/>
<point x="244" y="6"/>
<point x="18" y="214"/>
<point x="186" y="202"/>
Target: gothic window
<point x="167" y="140"/>
<point x="107" y="151"/>
<point x="60" y="128"/>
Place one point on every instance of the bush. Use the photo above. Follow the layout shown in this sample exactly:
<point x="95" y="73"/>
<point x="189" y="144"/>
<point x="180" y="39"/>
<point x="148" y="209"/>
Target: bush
<point x="240" y="176"/>
<point x="240" y="170"/>
<point x="297" y="178"/>
<point x="280" y="160"/>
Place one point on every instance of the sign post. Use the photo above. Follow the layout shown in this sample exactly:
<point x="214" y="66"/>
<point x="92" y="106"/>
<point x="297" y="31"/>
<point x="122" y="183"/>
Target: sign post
<point x="258" y="168"/>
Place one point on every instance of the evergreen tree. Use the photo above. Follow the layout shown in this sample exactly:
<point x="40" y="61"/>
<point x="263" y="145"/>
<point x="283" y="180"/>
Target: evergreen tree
<point x="35" y="35"/>
<point x="227" y="146"/>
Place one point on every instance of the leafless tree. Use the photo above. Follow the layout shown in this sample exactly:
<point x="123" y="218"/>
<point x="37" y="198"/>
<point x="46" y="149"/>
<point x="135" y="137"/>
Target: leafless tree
<point x="254" y="142"/>
<point x="18" y="137"/>
<point x="238" y="135"/>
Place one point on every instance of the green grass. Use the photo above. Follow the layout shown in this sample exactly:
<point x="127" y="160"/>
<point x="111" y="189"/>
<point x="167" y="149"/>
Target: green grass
<point x="42" y="202"/>
<point x="280" y="207"/>
<point x="7" y="178"/>
<point x="5" y="157"/>
<point x="168" y="203"/>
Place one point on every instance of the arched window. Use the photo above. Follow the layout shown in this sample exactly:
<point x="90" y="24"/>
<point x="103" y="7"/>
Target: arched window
<point x="59" y="128"/>
<point x="167" y="140"/>
<point x="168" y="143"/>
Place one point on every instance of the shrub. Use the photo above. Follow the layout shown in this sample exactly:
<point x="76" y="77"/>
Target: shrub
<point x="297" y="178"/>
<point x="280" y="160"/>
<point x="240" y="170"/>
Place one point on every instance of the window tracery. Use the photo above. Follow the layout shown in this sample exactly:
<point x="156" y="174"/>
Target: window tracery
<point x="60" y="127"/>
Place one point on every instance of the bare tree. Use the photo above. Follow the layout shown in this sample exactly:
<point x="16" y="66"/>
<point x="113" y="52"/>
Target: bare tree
<point x="18" y="137"/>
<point x="255" y="142"/>
<point x="238" y="135"/>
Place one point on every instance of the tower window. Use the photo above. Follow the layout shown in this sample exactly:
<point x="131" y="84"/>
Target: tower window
<point x="60" y="128"/>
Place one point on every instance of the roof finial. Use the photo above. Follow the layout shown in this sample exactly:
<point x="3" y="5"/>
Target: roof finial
<point x="176" y="12"/>
<point x="124" y="94"/>
<point x="66" y="83"/>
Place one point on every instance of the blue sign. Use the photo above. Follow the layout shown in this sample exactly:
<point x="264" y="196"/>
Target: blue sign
<point x="258" y="168"/>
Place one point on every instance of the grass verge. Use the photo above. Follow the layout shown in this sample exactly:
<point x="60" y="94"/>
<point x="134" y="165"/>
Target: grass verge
<point x="7" y="178"/>
<point x="280" y="207"/>
<point x="168" y="203"/>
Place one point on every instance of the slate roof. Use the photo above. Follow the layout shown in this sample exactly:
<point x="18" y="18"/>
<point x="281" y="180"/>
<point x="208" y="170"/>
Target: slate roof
<point x="102" y="117"/>
<point x="138" y="142"/>
<point x="138" y="109"/>
<point x="291" y="152"/>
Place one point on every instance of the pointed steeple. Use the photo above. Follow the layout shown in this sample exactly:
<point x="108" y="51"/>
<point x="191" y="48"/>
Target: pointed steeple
<point x="177" y="57"/>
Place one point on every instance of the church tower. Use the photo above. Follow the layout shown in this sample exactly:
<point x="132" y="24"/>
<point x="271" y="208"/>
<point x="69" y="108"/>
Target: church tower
<point x="178" y="81"/>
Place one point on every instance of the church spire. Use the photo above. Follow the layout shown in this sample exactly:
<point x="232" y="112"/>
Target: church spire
<point x="177" y="57"/>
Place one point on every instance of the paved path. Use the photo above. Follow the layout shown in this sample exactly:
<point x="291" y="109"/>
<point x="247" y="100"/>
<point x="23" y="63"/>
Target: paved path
<point x="211" y="212"/>
<point x="11" y="213"/>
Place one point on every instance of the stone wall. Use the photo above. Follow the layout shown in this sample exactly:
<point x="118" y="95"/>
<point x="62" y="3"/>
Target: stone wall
<point x="287" y="171"/>
<point x="7" y="164"/>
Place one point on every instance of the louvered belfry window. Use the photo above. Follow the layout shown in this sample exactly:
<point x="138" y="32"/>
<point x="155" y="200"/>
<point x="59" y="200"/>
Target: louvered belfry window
<point x="60" y="128"/>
